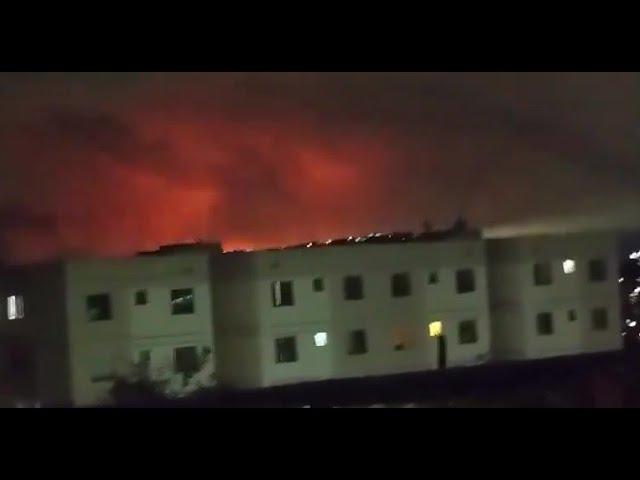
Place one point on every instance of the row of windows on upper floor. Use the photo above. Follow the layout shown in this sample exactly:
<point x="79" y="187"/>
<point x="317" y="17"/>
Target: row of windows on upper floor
<point x="353" y="286"/>
<point x="543" y="271"/>
<point x="98" y="306"/>
<point x="286" y="349"/>
<point x="400" y="284"/>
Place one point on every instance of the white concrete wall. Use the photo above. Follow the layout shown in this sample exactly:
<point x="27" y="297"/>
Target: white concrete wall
<point x="134" y="328"/>
<point x="247" y="300"/>
<point x="516" y="300"/>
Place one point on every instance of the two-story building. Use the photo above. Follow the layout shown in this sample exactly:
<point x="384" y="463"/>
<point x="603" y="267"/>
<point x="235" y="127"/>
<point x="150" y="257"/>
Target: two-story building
<point x="77" y="325"/>
<point x="553" y="295"/>
<point x="362" y="307"/>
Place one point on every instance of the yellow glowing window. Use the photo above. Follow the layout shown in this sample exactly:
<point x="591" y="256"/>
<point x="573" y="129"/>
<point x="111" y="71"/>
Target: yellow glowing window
<point x="435" y="329"/>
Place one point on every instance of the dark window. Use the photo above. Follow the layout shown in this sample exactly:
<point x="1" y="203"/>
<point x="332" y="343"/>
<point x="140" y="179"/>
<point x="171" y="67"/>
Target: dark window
<point x="182" y="301"/>
<point x="433" y="278"/>
<point x="353" y="287"/>
<point x="206" y="351"/>
<point x="467" y="332"/>
<point x="465" y="281"/>
<point x="186" y="360"/>
<point x="286" y="351"/>
<point x="282" y="293"/>
<point x="145" y="356"/>
<point x="400" y="285"/>
<point x="597" y="270"/>
<point x="572" y="315"/>
<point x="599" y="319"/>
<point x="542" y="274"/>
<point x="318" y="284"/>
<point x="141" y="297"/>
<point x="357" y="342"/>
<point x="544" y="323"/>
<point x="99" y="307"/>
<point x="398" y="347"/>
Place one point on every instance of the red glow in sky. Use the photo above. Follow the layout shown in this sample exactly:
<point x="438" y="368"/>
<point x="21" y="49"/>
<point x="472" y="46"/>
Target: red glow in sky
<point x="113" y="163"/>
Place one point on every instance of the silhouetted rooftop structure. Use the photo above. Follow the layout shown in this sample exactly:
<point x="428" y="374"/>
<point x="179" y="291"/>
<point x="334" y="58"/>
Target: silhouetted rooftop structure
<point x="184" y="247"/>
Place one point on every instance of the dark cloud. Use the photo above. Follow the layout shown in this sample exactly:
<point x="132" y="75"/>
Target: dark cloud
<point x="125" y="161"/>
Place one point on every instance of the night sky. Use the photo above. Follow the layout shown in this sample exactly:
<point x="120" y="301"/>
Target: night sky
<point x="116" y="162"/>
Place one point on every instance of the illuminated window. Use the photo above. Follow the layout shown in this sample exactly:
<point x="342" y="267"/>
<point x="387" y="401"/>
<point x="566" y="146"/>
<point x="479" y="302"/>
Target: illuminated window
<point x="435" y="329"/>
<point x="400" y="285"/>
<point x="141" y="297"/>
<point x="599" y="319"/>
<point x="465" y="281"/>
<point x="542" y="274"/>
<point x="597" y="270"/>
<point x="353" y="288"/>
<point x="182" y="301"/>
<point x="286" y="351"/>
<point x="282" y="293"/>
<point x="15" y="307"/>
<point x="467" y="332"/>
<point x="320" y="339"/>
<point x="569" y="266"/>
<point x="544" y="323"/>
<point x="318" y="284"/>
<point x="99" y="307"/>
<point x="358" y="342"/>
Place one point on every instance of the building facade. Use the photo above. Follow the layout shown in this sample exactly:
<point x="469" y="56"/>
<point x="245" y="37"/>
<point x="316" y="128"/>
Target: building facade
<point x="86" y="322"/>
<point x="308" y="314"/>
<point x="553" y="295"/>
<point x="345" y="309"/>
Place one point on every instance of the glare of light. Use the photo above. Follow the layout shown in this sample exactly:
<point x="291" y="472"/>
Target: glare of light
<point x="320" y="339"/>
<point x="624" y="333"/>
<point x="309" y="245"/>
<point x="627" y="321"/>
<point x="621" y="279"/>
<point x="350" y="238"/>
<point x="635" y="255"/>
<point x="15" y="307"/>
<point x="435" y="329"/>
<point x="328" y="242"/>
<point x="632" y="324"/>
<point x="569" y="266"/>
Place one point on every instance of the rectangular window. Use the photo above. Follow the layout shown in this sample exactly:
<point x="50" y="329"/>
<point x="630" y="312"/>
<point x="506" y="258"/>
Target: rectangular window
<point x="320" y="339"/>
<point x="542" y="274"/>
<point x="99" y="307"/>
<point x="182" y="301"/>
<point x="141" y="297"/>
<point x="544" y="323"/>
<point x="597" y="270"/>
<point x="286" y="350"/>
<point x="572" y="315"/>
<point x="432" y="279"/>
<point x="467" y="332"/>
<point x="465" y="281"/>
<point x="318" y="284"/>
<point x="599" y="319"/>
<point x="400" y="285"/>
<point x="282" y="293"/>
<point x="186" y="360"/>
<point x="144" y="357"/>
<point x="353" y="289"/>
<point x="357" y="342"/>
<point x="15" y="307"/>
